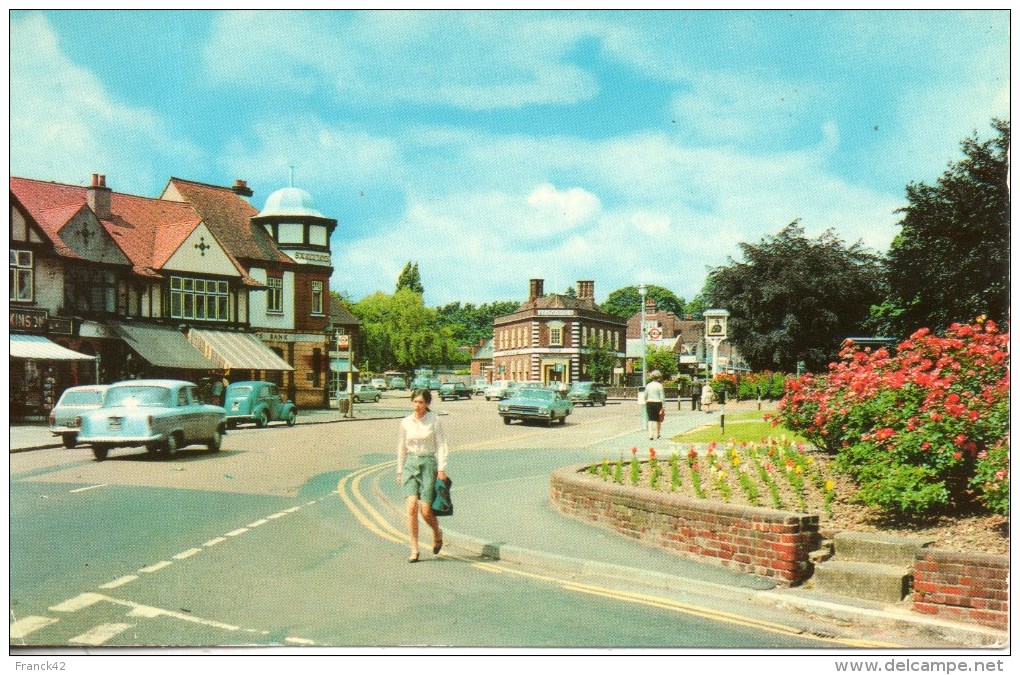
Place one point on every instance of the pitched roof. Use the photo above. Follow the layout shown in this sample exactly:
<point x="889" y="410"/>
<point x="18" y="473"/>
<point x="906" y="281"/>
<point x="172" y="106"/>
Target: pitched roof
<point x="556" y="301"/>
<point x="228" y="216"/>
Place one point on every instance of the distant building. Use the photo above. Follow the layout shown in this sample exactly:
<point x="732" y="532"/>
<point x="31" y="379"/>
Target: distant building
<point x="547" y="338"/>
<point x="481" y="361"/>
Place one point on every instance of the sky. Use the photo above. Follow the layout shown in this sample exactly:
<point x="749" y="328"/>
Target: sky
<point x="496" y="147"/>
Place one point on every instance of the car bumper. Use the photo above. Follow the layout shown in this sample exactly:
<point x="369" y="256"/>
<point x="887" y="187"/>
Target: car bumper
<point x="120" y="440"/>
<point x="240" y="418"/>
<point x="60" y="431"/>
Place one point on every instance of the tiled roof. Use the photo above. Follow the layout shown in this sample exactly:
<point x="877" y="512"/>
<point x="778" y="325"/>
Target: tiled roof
<point x="228" y="216"/>
<point x="556" y="301"/>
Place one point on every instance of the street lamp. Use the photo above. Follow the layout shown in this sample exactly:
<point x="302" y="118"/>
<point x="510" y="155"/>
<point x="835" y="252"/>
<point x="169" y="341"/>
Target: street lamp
<point x="643" y="291"/>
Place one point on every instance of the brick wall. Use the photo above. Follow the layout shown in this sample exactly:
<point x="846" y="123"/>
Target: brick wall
<point x="962" y="586"/>
<point x="766" y="542"/>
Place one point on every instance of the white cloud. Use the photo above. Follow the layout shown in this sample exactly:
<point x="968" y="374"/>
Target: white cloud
<point x="63" y="119"/>
<point x="562" y="209"/>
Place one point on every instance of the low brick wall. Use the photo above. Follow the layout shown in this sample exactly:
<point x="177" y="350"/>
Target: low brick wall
<point x="969" y="587"/>
<point x="766" y="542"/>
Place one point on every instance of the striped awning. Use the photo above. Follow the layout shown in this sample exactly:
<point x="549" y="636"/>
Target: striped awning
<point x="43" y="349"/>
<point x="236" y="350"/>
<point x="342" y="366"/>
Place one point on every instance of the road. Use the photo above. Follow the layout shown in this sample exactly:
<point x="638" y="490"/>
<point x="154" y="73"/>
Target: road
<point x="294" y="537"/>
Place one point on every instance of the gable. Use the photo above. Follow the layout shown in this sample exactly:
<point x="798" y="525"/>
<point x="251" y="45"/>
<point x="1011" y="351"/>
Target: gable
<point x="86" y="238"/>
<point x="22" y="229"/>
<point x="201" y="253"/>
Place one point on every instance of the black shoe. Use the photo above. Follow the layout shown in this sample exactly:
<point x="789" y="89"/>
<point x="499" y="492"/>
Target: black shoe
<point x="438" y="547"/>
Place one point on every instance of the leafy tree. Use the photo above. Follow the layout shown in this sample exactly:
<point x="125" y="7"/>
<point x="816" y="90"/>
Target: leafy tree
<point x="410" y="278"/>
<point x="796" y="298"/>
<point x="468" y="324"/>
<point x="341" y="299"/>
<point x="950" y="261"/>
<point x="626" y="302"/>
<point x="662" y="360"/>
<point x="401" y="333"/>
<point x="601" y="360"/>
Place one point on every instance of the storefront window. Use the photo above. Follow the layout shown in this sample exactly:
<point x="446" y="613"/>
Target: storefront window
<point x="21" y="276"/>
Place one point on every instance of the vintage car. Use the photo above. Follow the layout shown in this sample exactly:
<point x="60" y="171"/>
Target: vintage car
<point x="587" y="393"/>
<point x="497" y="390"/>
<point x="161" y="415"/>
<point x="454" y="390"/>
<point x="66" y="414"/>
<point x="479" y="386"/>
<point x="258" y="402"/>
<point x="539" y="404"/>
<point x="379" y="383"/>
<point x="396" y="382"/>
<point x="366" y="392"/>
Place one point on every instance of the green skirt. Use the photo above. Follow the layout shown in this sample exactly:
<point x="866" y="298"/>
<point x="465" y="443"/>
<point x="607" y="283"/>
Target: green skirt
<point x="420" y="477"/>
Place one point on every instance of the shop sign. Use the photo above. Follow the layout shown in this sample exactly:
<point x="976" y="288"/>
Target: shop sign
<point x="61" y="326"/>
<point x="29" y="319"/>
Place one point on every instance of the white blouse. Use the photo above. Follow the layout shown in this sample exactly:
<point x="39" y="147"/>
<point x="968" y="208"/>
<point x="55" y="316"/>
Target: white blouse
<point x="422" y="437"/>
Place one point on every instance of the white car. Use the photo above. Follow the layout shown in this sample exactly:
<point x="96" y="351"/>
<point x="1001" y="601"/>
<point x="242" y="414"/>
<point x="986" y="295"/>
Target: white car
<point x="379" y="383"/>
<point x="65" y="418"/>
<point x="497" y="390"/>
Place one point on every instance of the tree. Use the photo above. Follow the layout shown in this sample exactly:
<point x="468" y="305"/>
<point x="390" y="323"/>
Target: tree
<point x="400" y="332"/>
<point x="950" y="261"/>
<point x="662" y="360"/>
<point x="469" y="324"/>
<point x="601" y="360"/>
<point x="410" y="278"/>
<point x="626" y="302"/>
<point x="796" y="298"/>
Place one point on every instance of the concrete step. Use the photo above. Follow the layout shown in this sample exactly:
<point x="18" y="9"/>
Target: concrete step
<point x="869" y="581"/>
<point x="878" y="548"/>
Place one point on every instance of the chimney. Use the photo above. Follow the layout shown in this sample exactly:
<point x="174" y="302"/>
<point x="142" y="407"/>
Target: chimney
<point x="98" y="197"/>
<point x="241" y="188"/>
<point x="585" y="290"/>
<point x="535" y="290"/>
<point x="651" y="307"/>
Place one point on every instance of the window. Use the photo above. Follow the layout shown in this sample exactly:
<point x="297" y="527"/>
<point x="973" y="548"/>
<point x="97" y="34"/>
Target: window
<point x="275" y="299"/>
<point x="202" y="299"/>
<point x="317" y="297"/>
<point x="556" y="336"/>
<point x="21" y="276"/>
<point x="90" y="291"/>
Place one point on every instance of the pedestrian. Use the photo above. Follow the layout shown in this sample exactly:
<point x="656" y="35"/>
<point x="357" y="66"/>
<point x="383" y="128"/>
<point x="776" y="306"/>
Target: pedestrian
<point x="421" y="459"/>
<point x="706" y="396"/>
<point x="655" y="396"/>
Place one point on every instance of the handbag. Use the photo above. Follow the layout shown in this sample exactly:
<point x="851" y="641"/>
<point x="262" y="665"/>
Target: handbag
<point x="442" y="505"/>
<point x="662" y="414"/>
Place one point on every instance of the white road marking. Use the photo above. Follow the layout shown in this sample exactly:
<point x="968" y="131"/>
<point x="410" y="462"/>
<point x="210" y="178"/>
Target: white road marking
<point x="28" y="625"/>
<point x="187" y="554"/>
<point x="262" y="521"/>
<point x="90" y="487"/>
<point x="292" y="509"/>
<point x="74" y="604"/>
<point x="240" y="530"/>
<point x="100" y="634"/>
<point x="213" y="542"/>
<point x="298" y="641"/>
<point x="281" y="514"/>
<point x="157" y="567"/>
<point x="120" y="582"/>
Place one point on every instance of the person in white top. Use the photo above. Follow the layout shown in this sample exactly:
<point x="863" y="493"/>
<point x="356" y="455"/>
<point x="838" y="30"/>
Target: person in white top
<point x="421" y="459"/>
<point x="655" y="396"/>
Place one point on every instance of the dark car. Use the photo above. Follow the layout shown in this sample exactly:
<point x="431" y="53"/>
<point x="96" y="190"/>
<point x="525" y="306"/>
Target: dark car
<point x="454" y="390"/>
<point x="587" y="393"/>
<point x="258" y="402"/>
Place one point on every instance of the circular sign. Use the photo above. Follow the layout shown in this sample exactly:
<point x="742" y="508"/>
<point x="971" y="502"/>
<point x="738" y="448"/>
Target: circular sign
<point x="654" y="333"/>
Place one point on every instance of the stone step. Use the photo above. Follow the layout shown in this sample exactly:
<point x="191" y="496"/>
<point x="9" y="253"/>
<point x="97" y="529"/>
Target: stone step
<point x="870" y="581"/>
<point x="878" y="548"/>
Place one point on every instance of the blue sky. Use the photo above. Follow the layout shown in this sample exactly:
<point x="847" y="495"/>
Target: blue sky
<point x="492" y="148"/>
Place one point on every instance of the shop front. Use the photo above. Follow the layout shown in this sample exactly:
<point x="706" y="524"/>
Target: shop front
<point x="40" y="370"/>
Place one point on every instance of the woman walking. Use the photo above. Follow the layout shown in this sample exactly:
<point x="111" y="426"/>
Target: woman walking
<point x="421" y="459"/>
<point x="655" y="396"/>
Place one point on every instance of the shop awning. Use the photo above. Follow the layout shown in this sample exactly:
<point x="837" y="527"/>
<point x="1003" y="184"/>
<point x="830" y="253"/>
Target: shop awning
<point x="43" y="349"/>
<point x="236" y="350"/>
<point x="164" y="347"/>
<point x="341" y="366"/>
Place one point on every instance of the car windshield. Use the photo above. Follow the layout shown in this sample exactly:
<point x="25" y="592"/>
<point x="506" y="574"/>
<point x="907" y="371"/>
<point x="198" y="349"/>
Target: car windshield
<point x="157" y="397"/>
<point x="82" y="398"/>
<point x="581" y="386"/>
<point x="240" y="392"/>
<point x="538" y="394"/>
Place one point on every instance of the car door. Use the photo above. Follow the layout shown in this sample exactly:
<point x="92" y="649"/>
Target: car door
<point x="271" y="397"/>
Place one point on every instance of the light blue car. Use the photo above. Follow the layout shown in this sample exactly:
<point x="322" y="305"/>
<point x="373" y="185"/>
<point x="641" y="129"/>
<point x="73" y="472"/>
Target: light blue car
<point x="542" y="405"/>
<point x="161" y="415"/>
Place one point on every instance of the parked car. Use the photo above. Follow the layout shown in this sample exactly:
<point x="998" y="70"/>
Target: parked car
<point x="258" y="402"/>
<point x="379" y="383"/>
<point x="479" y="386"/>
<point x="426" y="383"/>
<point x="161" y="415"/>
<point x="497" y="390"/>
<point x="398" y="383"/>
<point x="366" y="392"/>
<point x="587" y="393"/>
<point x="435" y="383"/>
<point x="65" y="418"/>
<point x="539" y="404"/>
<point x="454" y="390"/>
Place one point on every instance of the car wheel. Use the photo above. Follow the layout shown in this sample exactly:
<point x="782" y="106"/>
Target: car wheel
<point x="216" y="441"/>
<point x="231" y="425"/>
<point x="69" y="440"/>
<point x="377" y="398"/>
<point x="261" y="420"/>
<point x="563" y="420"/>
<point x="292" y="418"/>
<point x="170" y="445"/>
<point x="487" y="398"/>
<point x="507" y="420"/>
<point x="152" y="448"/>
<point x="100" y="451"/>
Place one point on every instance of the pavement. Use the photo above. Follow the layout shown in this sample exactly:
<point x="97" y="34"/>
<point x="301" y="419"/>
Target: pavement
<point x="535" y="537"/>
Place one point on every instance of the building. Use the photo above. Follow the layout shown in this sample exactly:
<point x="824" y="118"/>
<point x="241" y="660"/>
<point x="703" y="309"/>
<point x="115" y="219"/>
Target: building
<point x="175" y="286"/>
<point x="481" y="361"/>
<point x="546" y="339"/>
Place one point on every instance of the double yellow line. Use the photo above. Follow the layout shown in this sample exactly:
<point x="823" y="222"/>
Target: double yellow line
<point x="349" y="489"/>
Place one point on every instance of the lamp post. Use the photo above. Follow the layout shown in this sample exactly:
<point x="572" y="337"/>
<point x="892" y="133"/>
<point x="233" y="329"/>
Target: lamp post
<point x="643" y="291"/>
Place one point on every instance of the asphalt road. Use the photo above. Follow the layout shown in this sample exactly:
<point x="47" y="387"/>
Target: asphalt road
<point x="295" y="537"/>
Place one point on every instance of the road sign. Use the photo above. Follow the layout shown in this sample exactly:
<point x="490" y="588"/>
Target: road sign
<point x="655" y="333"/>
<point x="343" y="341"/>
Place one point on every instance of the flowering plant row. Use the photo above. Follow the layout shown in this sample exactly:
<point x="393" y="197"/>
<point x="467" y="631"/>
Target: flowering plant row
<point x="921" y="430"/>
<point x="774" y="473"/>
